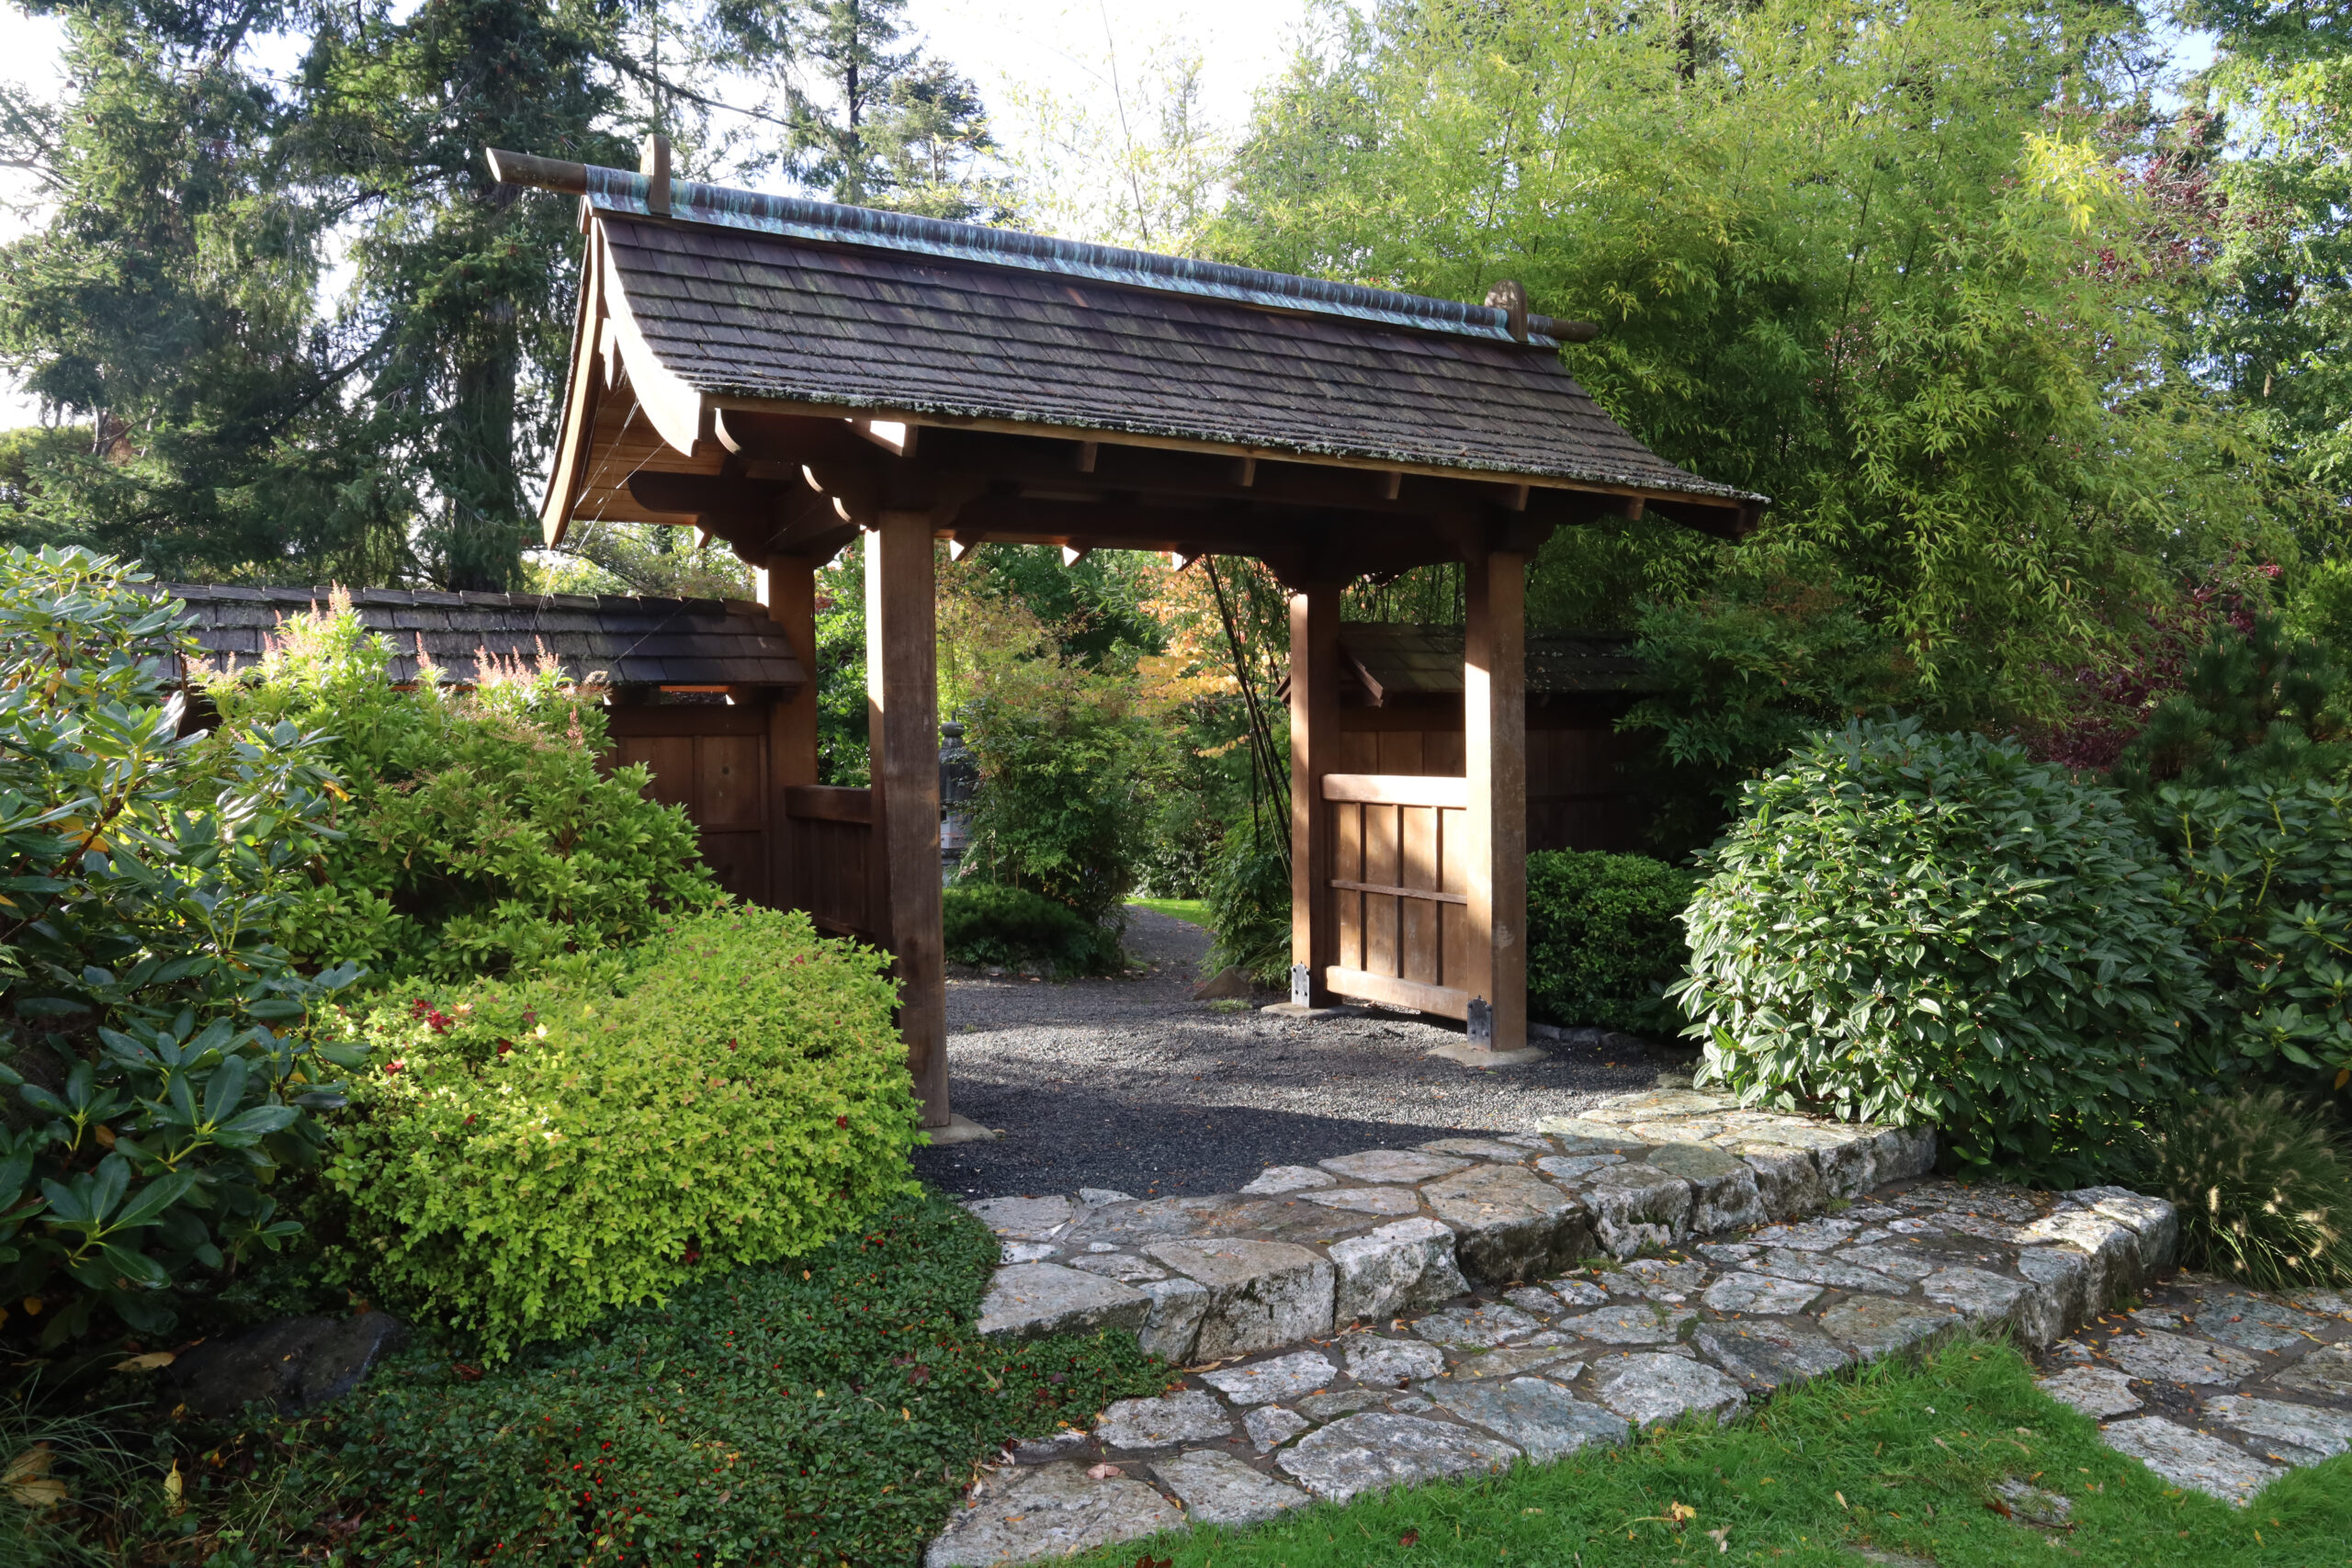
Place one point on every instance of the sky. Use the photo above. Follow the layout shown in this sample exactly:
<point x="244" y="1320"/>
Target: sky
<point x="1068" y="46"/>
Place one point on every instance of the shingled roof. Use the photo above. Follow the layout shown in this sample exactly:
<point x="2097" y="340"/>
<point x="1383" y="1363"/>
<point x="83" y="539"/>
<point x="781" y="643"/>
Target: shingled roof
<point x="619" y="640"/>
<point x="705" y="299"/>
<point x="1395" y="659"/>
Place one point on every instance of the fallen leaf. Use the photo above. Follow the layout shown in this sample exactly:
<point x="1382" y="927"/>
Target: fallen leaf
<point x="1841" y="1499"/>
<point x="1104" y="1471"/>
<point x="148" y="1363"/>
<point x="27" y="1479"/>
<point x="173" y="1487"/>
<point x="1409" y="1538"/>
<point x="1721" y="1539"/>
<point x="1682" y="1511"/>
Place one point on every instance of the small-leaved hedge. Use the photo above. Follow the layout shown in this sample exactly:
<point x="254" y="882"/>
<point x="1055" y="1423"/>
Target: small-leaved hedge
<point x="825" y="1410"/>
<point x="527" y="1154"/>
<point x="1605" y="940"/>
<point x="987" y="924"/>
<point x="1910" y="927"/>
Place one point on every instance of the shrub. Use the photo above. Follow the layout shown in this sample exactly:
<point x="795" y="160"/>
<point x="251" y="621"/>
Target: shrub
<point x="2260" y="706"/>
<point x="1248" y="903"/>
<point x="1604" y="938"/>
<point x="2263" y="1194"/>
<point x="1061" y="806"/>
<point x="2268" y="878"/>
<point x="532" y="1154"/>
<point x="480" y="835"/>
<point x="824" y="1411"/>
<point x="141" y="992"/>
<point x="990" y="924"/>
<point x="1738" y="678"/>
<point x="1932" y="928"/>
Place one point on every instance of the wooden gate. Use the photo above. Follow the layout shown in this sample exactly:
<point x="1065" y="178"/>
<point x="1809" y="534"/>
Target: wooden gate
<point x="712" y="759"/>
<point x="1400" y="889"/>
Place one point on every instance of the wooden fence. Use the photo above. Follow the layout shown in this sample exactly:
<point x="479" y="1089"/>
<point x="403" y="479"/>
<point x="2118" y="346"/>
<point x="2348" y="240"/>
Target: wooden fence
<point x="832" y="867"/>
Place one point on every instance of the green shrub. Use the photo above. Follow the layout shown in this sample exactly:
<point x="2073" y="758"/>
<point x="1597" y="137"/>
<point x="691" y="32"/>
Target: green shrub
<point x="987" y="924"/>
<point x="2264" y="1193"/>
<point x="1062" y="806"/>
<point x="824" y="1411"/>
<point x="480" y="835"/>
<point x="534" y="1153"/>
<point x="1605" y="940"/>
<point x="2259" y="706"/>
<point x="140" y="989"/>
<point x="2267" y="870"/>
<point x="1248" y="903"/>
<point x="1932" y="928"/>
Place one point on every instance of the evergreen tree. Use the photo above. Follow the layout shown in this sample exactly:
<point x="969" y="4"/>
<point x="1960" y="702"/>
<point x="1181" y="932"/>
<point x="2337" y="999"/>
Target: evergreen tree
<point x="216" y="417"/>
<point x="2261" y="705"/>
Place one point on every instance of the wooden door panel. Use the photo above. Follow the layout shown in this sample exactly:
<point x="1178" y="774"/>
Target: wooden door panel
<point x="728" y="770"/>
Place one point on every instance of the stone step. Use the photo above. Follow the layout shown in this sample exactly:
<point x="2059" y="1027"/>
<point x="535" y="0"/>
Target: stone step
<point x="1366" y="1236"/>
<point x="1406" y="1315"/>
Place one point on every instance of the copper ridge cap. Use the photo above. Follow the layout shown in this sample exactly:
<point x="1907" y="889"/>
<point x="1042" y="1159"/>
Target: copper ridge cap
<point x="641" y="195"/>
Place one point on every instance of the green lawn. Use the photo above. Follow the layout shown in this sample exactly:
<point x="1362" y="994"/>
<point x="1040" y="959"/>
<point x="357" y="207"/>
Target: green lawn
<point x="1196" y="911"/>
<point x="1901" y="1459"/>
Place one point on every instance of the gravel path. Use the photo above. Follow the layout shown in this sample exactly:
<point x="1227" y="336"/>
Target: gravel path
<point x="1132" y="1085"/>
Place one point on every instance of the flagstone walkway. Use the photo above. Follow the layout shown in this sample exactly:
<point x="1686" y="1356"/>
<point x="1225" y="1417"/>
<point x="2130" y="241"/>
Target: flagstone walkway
<point x="1399" y="1316"/>
<point x="2214" y="1386"/>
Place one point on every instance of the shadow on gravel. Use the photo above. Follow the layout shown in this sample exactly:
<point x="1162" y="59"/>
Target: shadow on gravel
<point x="1167" y="1150"/>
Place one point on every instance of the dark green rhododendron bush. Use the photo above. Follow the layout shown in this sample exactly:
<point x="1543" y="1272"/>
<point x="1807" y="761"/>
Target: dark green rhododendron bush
<point x="480" y="835"/>
<point x="525" y="1155"/>
<point x="1911" y="927"/>
<point x="161" y="1046"/>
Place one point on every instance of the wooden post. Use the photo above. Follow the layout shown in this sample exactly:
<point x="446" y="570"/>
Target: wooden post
<point x="1313" y="742"/>
<point x="902" y="709"/>
<point x="787" y="586"/>
<point x="1494" y="725"/>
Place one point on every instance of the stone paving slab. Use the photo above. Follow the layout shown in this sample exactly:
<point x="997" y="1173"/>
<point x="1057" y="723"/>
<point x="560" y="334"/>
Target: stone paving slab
<point x="2212" y="1385"/>
<point x="1460" y="1370"/>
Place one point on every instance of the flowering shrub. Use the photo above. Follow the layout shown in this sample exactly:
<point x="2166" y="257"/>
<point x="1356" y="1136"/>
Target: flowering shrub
<point x="480" y="835"/>
<point x="529" y="1154"/>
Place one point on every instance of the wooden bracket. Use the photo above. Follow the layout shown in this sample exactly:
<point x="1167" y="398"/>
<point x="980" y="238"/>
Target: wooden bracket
<point x="1087" y="452"/>
<point x="1245" y="473"/>
<point x="1073" y="554"/>
<point x="1392" y="484"/>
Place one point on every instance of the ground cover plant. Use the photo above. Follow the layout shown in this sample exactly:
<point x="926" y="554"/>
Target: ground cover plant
<point x="1898" y="1459"/>
<point x="988" y="925"/>
<point x="480" y="835"/>
<point x="525" y="1155"/>
<point x="1605" y="940"/>
<point x="1917" y="928"/>
<point x="823" y="1409"/>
